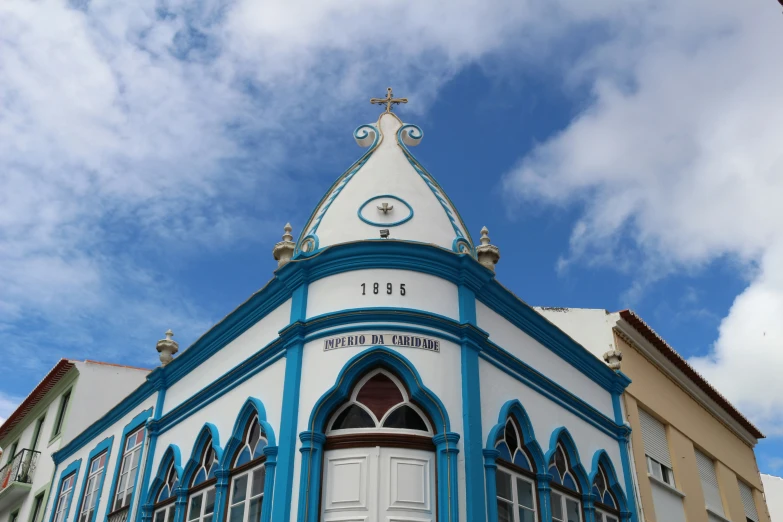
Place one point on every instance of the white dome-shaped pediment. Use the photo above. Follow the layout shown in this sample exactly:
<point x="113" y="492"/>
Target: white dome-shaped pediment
<point x="386" y="189"/>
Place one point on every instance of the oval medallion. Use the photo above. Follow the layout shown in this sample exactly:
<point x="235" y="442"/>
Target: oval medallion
<point x="385" y="211"/>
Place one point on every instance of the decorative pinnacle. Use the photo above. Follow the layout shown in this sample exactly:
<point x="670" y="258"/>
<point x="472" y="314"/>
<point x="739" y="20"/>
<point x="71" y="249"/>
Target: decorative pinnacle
<point x="167" y="348"/>
<point x="284" y="250"/>
<point x="613" y="358"/>
<point x="488" y="254"/>
<point x="389" y="100"/>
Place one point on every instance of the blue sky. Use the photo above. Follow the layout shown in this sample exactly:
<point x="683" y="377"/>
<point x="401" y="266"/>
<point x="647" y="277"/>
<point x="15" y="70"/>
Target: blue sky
<point x="622" y="154"/>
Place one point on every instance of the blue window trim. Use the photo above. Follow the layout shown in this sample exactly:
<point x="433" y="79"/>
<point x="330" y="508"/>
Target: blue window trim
<point x="601" y="458"/>
<point x="71" y="469"/>
<point x="378" y="224"/>
<point x="135" y="423"/>
<point x="314" y="438"/>
<point x="207" y="432"/>
<point x="104" y="446"/>
<point x="171" y="455"/>
<point x="563" y="436"/>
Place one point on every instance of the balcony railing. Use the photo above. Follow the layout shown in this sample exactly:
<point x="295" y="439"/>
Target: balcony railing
<point x="119" y="515"/>
<point x="20" y="469"/>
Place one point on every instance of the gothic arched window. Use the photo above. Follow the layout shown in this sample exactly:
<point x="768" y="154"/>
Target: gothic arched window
<point x="201" y="499"/>
<point x="515" y="477"/>
<point x="167" y="494"/>
<point x="248" y="473"/>
<point x="566" y="504"/>
<point x="379" y="402"/>
<point x="606" y="505"/>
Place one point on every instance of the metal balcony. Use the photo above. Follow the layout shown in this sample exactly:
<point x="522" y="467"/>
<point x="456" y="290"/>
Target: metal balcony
<point x="16" y="477"/>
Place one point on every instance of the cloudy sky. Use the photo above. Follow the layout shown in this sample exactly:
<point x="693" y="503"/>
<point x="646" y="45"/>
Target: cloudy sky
<point x="623" y="154"/>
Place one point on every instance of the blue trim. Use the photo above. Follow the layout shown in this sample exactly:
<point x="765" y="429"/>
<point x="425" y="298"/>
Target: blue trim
<point x="72" y="468"/>
<point x="601" y="458"/>
<point x="170" y="455"/>
<point x="340" y="183"/>
<point x="145" y="478"/>
<point x="562" y="435"/>
<point x="433" y="185"/>
<point x="625" y="456"/>
<point x="104" y="445"/>
<point x="446" y="452"/>
<point x="394" y="224"/>
<point x="462" y="246"/>
<point x="135" y="423"/>
<point x="281" y="506"/>
<point x="207" y="432"/>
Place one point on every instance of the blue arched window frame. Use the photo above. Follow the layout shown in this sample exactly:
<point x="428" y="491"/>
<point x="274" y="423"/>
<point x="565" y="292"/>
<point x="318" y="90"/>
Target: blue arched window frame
<point x="162" y="494"/>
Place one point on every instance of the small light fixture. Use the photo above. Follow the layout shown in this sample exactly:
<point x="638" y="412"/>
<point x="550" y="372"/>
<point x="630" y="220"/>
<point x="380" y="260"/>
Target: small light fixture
<point x="384" y="233"/>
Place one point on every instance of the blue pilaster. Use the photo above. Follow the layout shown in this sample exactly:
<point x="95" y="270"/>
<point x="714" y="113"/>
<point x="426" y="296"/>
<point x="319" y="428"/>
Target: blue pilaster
<point x="490" y="473"/>
<point x="223" y="477"/>
<point x="281" y="503"/>
<point x="446" y="452"/>
<point x="625" y="457"/>
<point x="181" y="504"/>
<point x="588" y="504"/>
<point x="144" y="514"/>
<point x="544" y="496"/>
<point x="269" y="484"/>
<point x="312" y="456"/>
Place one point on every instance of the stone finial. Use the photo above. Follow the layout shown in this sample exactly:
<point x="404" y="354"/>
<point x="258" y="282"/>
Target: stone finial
<point x="613" y="358"/>
<point x="284" y="250"/>
<point x="167" y="348"/>
<point x="488" y="255"/>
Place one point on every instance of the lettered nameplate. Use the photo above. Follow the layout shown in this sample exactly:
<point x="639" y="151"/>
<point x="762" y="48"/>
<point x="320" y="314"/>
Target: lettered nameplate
<point x="386" y="338"/>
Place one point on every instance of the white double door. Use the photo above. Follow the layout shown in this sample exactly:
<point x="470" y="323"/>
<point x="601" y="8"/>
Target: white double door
<point x="378" y="484"/>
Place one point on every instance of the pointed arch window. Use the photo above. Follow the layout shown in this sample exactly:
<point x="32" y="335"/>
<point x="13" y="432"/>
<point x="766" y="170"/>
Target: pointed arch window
<point x="379" y="403"/>
<point x="164" y="508"/>
<point x="248" y="474"/>
<point x="515" y="477"/>
<point x="201" y="500"/>
<point x="606" y="503"/>
<point x="566" y="504"/>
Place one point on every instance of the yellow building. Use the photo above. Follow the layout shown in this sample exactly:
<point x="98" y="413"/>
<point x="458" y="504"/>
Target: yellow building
<point x="692" y="450"/>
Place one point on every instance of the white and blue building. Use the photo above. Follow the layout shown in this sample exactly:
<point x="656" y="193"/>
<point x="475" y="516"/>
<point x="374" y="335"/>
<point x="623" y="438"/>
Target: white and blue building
<point x="383" y="374"/>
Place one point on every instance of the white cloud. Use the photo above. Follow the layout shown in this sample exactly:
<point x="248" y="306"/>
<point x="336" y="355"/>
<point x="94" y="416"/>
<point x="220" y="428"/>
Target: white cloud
<point x="677" y="161"/>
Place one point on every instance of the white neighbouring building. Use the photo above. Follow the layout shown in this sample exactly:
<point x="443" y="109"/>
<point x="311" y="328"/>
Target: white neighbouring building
<point x="383" y="374"/>
<point x="47" y="420"/>
<point x="773" y="487"/>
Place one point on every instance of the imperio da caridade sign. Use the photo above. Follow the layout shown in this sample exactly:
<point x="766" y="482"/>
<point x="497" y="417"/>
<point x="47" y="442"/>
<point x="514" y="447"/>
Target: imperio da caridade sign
<point x="386" y="338"/>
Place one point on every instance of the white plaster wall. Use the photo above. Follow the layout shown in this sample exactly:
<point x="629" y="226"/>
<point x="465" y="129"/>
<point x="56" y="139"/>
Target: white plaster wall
<point x="111" y="469"/>
<point x="590" y="327"/>
<point x="773" y="491"/>
<point x="344" y="292"/>
<point x="387" y="172"/>
<point x="546" y="416"/>
<point x="530" y="351"/>
<point x="252" y="340"/>
<point x="266" y="386"/>
<point x="440" y="372"/>
<point x="100" y="388"/>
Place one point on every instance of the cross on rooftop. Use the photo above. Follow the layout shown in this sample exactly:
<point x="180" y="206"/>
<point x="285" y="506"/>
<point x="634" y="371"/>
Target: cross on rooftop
<point x="389" y="100"/>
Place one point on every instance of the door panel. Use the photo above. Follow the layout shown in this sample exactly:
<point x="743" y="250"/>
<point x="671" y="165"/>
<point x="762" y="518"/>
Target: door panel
<point x="379" y="485"/>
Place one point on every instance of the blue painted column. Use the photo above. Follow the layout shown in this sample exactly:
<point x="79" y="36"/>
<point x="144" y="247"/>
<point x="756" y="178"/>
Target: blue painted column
<point x="269" y="482"/>
<point x="471" y="411"/>
<point x="588" y="503"/>
<point x="490" y="473"/>
<point x="145" y="513"/>
<point x="446" y="452"/>
<point x="624" y="434"/>
<point x="544" y="496"/>
<point x="309" y="489"/>
<point x="223" y="477"/>
<point x="281" y="502"/>
<point x="181" y="504"/>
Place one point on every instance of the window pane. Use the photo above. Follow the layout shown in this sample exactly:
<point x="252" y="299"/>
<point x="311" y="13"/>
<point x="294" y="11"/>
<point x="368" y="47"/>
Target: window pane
<point x="172" y="510"/>
<point x="195" y="507"/>
<point x="239" y="491"/>
<point x="405" y="418"/>
<point x="525" y="493"/>
<point x="258" y="482"/>
<point x="210" y="507"/>
<point x="557" y="506"/>
<point x="572" y="510"/>
<point x="505" y="512"/>
<point x="511" y="438"/>
<point x="353" y="417"/>
<point x="527" y="515"/>
<point x="255" y="510"/>
<point x="599" y="517"/>
<point x="503" y="485"/>
<point x="160" y="516"/>
<point x="237" y="513"/>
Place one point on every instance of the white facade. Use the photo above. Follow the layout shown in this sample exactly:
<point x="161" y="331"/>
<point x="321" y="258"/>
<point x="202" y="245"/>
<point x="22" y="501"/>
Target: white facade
<point x="372" y="379"/>
<point x="73" y="396"/>
<point x="773" y="489"/>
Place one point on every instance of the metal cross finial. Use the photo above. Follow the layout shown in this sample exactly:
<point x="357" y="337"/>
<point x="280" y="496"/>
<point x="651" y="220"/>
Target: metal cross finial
<point x="389" y="100"/>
